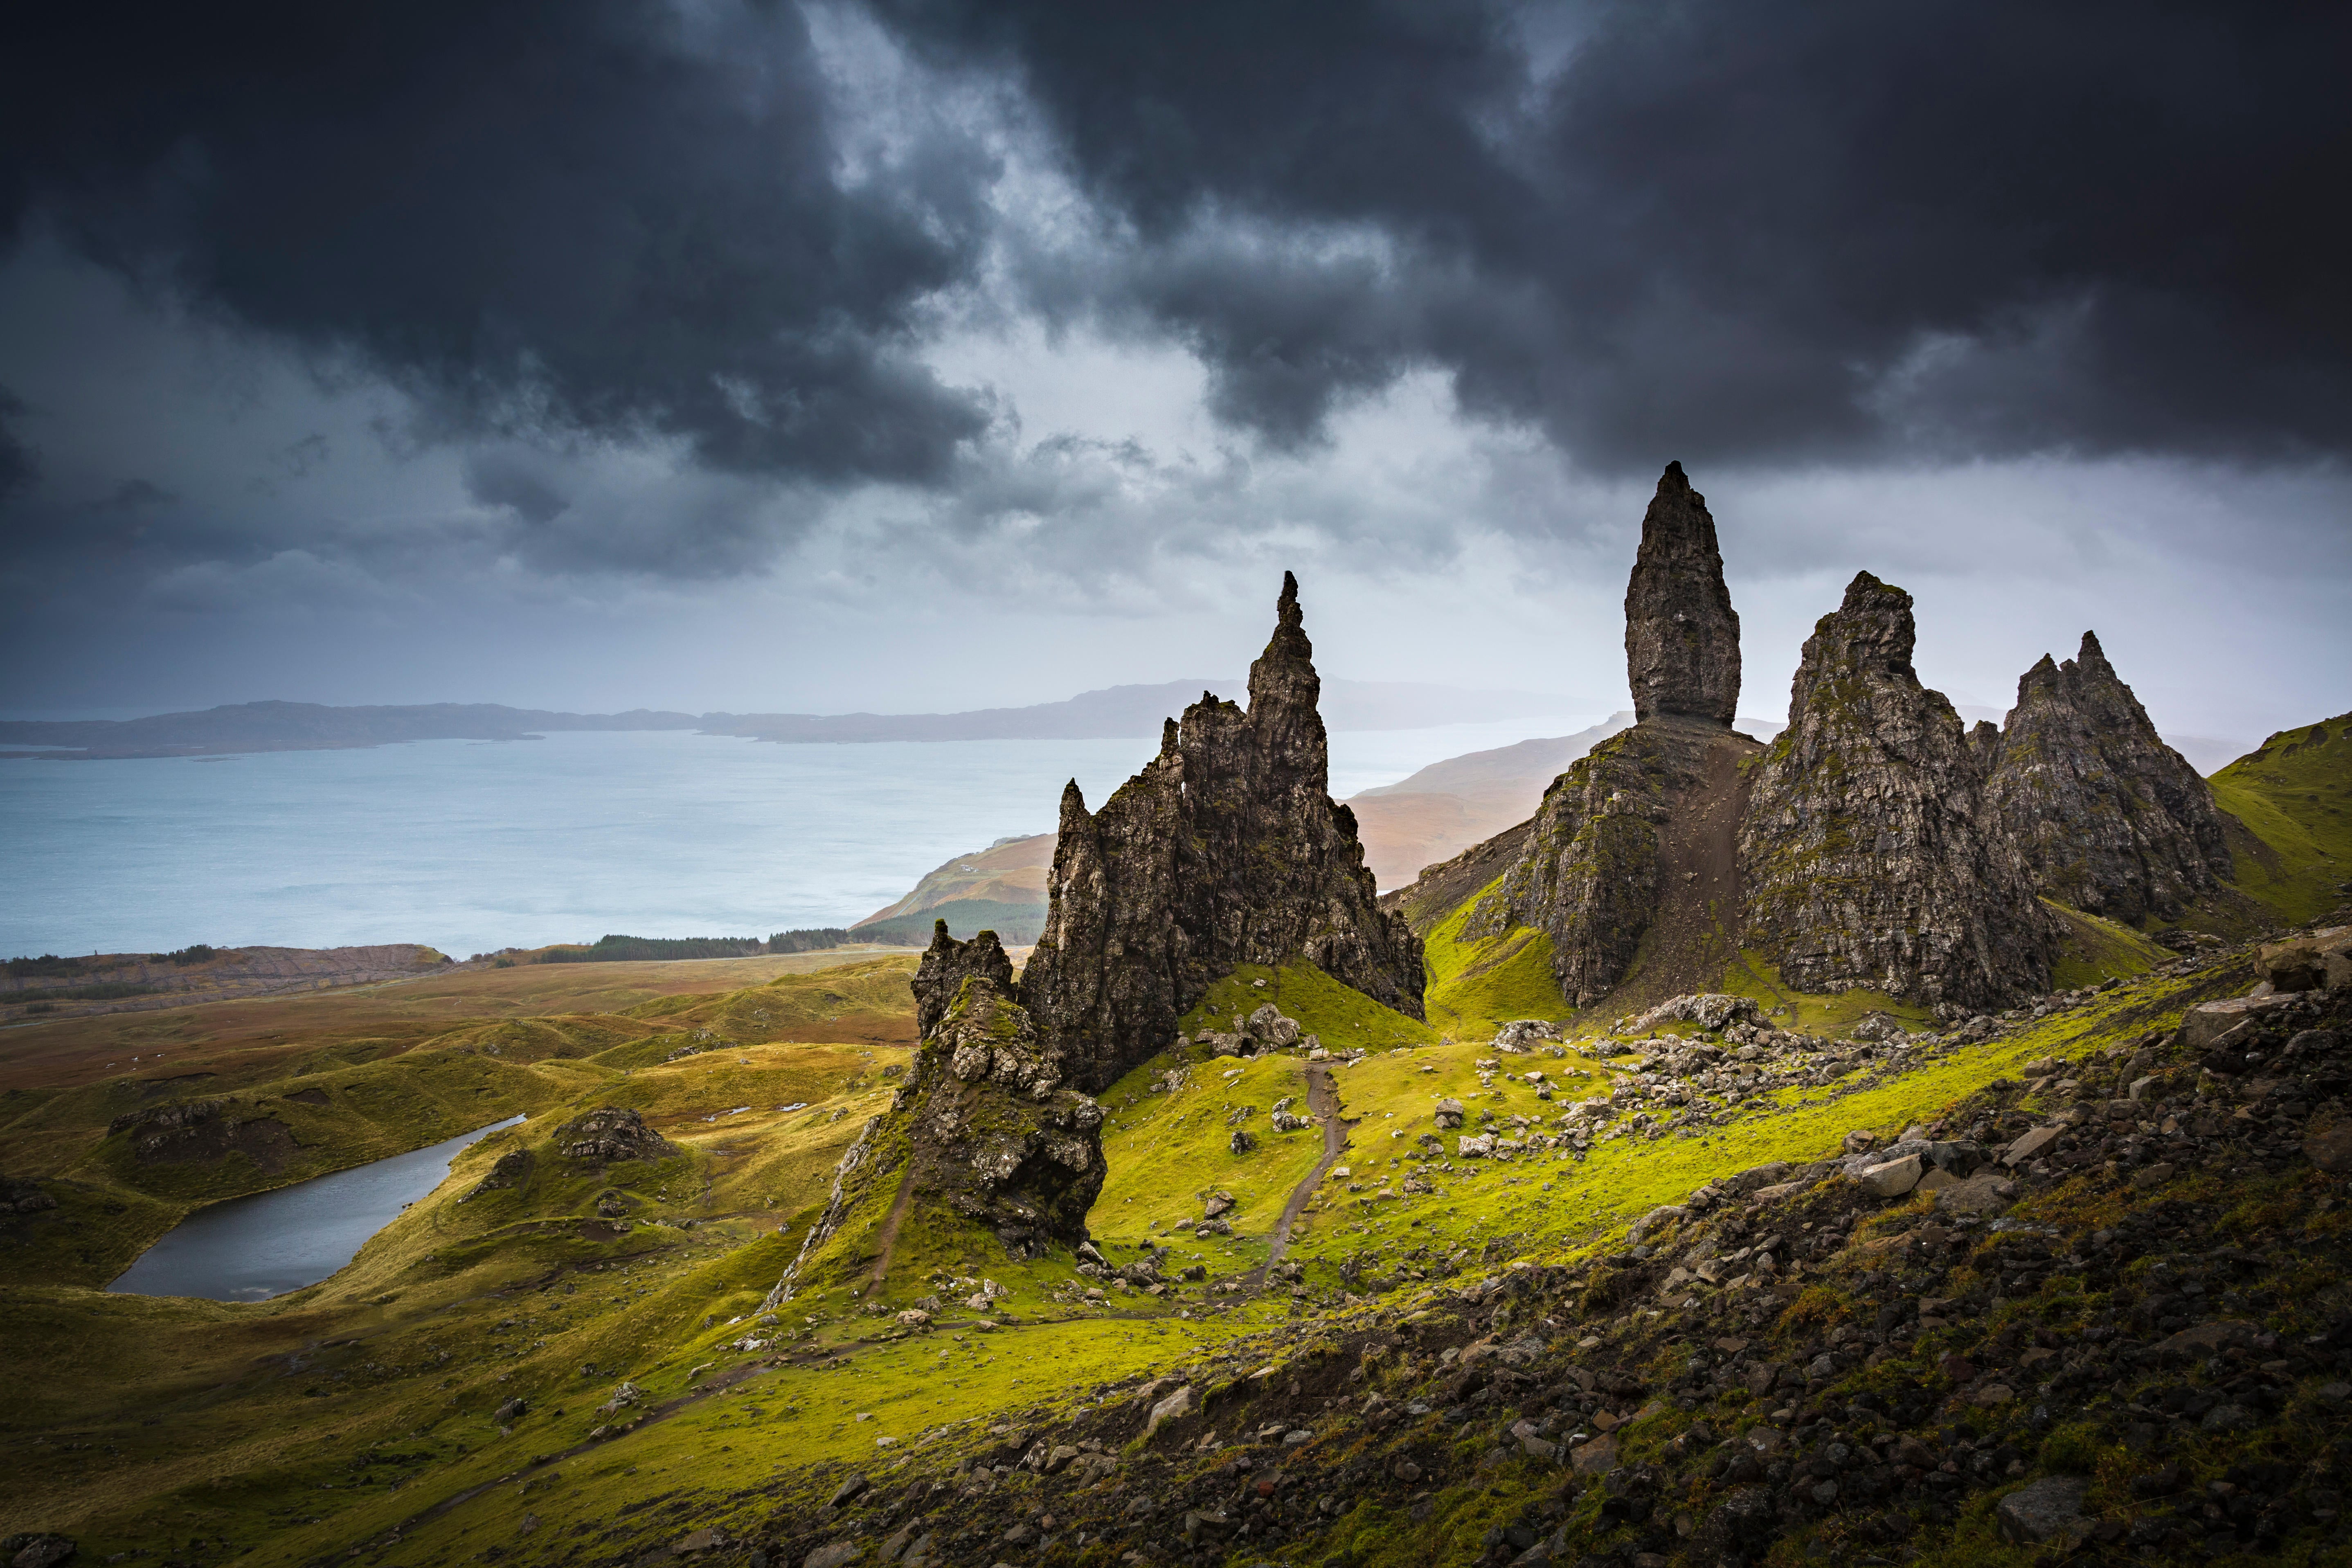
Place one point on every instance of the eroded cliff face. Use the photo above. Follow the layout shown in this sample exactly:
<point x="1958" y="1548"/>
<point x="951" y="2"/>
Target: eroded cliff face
<point x="1682" y="636"/>
<point x="1227" y="849"/>
<point x="1861" y="857"/>
<point x="2092" y="806"/>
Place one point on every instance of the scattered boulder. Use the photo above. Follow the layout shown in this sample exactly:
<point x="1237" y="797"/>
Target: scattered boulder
<point x="2048" y="1510"/>
<point x="1174" y="1407"/>
<point x="1707" y="1009"/>
<point x="2321" y="961"/>
<point x="41" y="1550"/>
<point x="1523" y="1033"/>
<point x="1893" y="1178"/>
<point x="2203" y="1027"/>
<point x="1449" y="1114"/>
<point x="609" y="1135"/>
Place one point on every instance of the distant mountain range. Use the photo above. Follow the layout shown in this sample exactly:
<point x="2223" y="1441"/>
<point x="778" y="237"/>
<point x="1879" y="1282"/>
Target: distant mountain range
<point x="1111" y="713"/>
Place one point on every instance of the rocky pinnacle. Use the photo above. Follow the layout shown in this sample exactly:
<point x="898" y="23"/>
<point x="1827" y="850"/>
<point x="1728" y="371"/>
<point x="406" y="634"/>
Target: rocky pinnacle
<point x="1862" y="853"/>
<point x="1227" y="849"/>
<point x="1682" y="636"/>
<point x="2092" y="806"/>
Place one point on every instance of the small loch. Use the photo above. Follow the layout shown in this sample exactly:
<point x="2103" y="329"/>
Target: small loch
<point x="264" y="1245"/>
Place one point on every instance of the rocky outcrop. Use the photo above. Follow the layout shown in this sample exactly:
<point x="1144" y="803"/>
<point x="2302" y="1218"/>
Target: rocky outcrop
<point x="1861" y="856"/>
<point x="1639" y="830"/>
<point x="198" y="1130"/>
<point x="1227" y="849"/>
<point x="982" y="1130"/>
<point x="609" y="1134"/>
<point x="1593" y="873"/>
<point x="1682" y="636"/>
<point x="2093" y="808"/>
<point x="946" y="964"/>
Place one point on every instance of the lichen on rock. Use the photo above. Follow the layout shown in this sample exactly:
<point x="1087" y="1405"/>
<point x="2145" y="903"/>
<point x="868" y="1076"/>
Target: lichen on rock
<point x="2092" y="806"/>
<point x="1863" y="858"/>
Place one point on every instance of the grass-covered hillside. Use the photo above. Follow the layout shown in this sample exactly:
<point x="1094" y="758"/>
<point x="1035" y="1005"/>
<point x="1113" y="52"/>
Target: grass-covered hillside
<point x="2295" y="795"/>
<point x="669" y="1401"/>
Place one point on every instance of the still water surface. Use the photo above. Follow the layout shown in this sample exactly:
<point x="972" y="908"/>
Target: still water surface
<point x="251" y="1248"/>
<point x="471" y="846"/>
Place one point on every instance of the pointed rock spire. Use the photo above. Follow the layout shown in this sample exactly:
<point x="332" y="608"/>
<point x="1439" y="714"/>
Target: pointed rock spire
<point x="1225" y="849"/>
<point x="2094" y="808"/>
<point x="1682" y="636"/>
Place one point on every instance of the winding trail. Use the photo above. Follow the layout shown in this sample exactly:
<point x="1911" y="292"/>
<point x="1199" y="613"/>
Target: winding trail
<point x="1323" y="1099"/>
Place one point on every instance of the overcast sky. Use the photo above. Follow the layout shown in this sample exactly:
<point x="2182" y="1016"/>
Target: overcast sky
<point x="922" y="354"/>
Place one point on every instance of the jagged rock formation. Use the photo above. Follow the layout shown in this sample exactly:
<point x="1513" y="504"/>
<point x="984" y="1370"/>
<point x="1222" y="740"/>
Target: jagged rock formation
<point x="947" y="964"/>
<point x="982" y="1129"/>
<point x="1227" y="849"/>
<point x="2093" y="807"/>
<point x="1861" y="856"/>
<point x="1682" y="636"/>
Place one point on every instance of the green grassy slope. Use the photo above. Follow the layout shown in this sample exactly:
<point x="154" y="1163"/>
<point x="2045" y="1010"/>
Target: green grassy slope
<point x="2294" y="794"/>
<point x="299" y="1429"/>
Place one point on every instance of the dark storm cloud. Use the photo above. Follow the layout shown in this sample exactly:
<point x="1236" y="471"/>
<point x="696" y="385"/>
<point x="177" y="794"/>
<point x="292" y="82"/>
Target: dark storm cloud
<point x="570" y="215"/>
<point x="1725" y="230"/>
<point x="16" y="465"/>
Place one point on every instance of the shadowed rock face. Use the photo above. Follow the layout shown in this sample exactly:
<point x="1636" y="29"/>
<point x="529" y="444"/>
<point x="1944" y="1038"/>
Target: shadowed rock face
<point x="1682" y="636"/>
<point x="2094" y="808"/>
<point x="1861" y="855"/>
<point x="1593" y="873"/>
<point x="1227" y="849"/>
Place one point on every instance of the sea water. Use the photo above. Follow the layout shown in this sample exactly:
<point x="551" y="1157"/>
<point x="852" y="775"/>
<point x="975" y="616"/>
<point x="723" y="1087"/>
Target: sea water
<point x="471" y="845"/>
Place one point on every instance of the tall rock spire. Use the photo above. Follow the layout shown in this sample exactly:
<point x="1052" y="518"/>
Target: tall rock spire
<point x="2094" y="808"/>
<point x="1861" y="854"/>
<point x="1682" y="636"/>
<point x="1593" y="874"/>
<point x="1225" y="849"/>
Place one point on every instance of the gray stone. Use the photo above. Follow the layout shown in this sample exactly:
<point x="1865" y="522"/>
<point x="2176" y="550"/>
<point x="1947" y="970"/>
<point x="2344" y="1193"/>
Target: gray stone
<point x="2205" y="1025"/>
<point x="2047" y="1510"/>
<point x="1892" y="1179"/>
<point x="2092" y="806"/>
<point x="833" y="1555"/>
<point x="1682" y="636"/>
<point x="2030" y="1145"/>
<point x="1174" y="1407"/>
